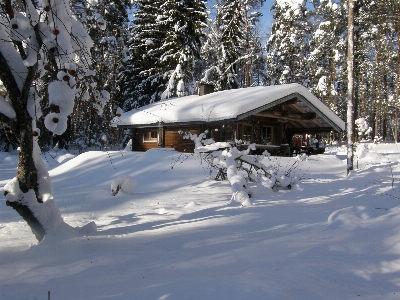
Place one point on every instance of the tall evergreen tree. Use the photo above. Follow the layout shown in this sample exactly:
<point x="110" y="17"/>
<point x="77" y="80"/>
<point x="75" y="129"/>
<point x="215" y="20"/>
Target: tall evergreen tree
<point x="164" y="47"/>
<point x="254" y="56"/>
<point x="350" y="122"/>
<point x="327" y="58"/>
<point x="233" y="48"/>
<point x="143" y="75"/>
<point x="287" y="48"/>
<point x="183" y="23"/>
<point x="382" y="19"/>
<point x="397" y="94"/>
<point x="230" y="19"/>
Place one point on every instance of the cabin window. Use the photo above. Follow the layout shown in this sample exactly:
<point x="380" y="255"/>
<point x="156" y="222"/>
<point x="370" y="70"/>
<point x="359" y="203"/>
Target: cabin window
<point x="269" y="135"/>
<point x="150" y="136"/>
<point x="246" y="136"/>
<point x="227" y="133"/>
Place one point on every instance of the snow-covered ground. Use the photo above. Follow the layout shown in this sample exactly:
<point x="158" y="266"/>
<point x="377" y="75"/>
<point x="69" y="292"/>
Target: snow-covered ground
<point x="179" y="237"/>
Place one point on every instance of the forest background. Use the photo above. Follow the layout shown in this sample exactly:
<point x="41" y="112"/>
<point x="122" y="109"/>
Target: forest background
<point x="144" y="51"/>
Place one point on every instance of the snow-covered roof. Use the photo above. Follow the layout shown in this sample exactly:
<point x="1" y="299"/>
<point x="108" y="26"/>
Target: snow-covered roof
<point x="226" y="105"/>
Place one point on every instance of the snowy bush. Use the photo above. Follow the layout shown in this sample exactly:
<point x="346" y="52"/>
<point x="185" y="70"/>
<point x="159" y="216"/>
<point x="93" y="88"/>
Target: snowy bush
<point x="377" y="139"/>
<point x="227" y="159"/>
<point x="363" y="128"/>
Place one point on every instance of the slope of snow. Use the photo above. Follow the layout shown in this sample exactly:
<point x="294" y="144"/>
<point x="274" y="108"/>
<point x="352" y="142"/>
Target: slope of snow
<point x="179" y="237"/>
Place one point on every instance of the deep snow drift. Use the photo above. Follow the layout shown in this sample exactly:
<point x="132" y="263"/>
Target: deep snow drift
<point x="178" y="236"/>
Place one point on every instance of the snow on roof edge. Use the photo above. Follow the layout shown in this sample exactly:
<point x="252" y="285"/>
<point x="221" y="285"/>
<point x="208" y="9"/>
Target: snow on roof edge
<point x="220" y="106"/>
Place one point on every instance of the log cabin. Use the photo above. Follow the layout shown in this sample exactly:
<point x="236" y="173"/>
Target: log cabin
<point x="278" y="118"/>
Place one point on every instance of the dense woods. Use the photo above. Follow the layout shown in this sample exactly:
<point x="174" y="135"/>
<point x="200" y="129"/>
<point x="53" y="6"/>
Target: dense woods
<point x="144" y="51"/>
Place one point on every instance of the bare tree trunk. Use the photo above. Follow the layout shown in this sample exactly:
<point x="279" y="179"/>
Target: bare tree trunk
<point x="247" y="61"/>
<point x="396" y="121"/>
<point x="26" y="172"/>
<point x="396" y="110"/>
<point x="27" y="175"/>
<point x="350" y="91"/>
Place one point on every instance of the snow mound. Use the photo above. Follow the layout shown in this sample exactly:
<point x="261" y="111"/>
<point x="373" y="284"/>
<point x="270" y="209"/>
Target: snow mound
<point x="260" y="190"/>
<point x="89" y="228"/>
<point x="192" y="204"/>
<point x="157" y="154"/>
<point x="162" y="211"/>
<point x="124" y="183"/>
<point x="349" y="217"/>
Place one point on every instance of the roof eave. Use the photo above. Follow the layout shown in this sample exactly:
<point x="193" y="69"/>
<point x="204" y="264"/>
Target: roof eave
<point x="334" y="125"/>
<point x="162" y="124"/>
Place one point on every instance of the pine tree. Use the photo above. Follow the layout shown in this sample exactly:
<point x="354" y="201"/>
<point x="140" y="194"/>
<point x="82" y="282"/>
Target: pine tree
<point x="233" y="48"/>
<point x="231" y="21"/>
<point x="287" y="48"/>
<point x="397" y="94"/>
<point x="350" y="122"/>
<point x="383" y="33"/>
<point x="183" y="23"/>
<point x="327" y="58"/>
<point x="375" y="62"/>
<point x="144" y="82"/>
<point x="164" y="50"/>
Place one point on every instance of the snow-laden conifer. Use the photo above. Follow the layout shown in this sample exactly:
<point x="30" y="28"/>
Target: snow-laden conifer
<point x="232" y="49"/>
<point x="327" y="58"/>
<point x="163" y="51"/>
<point x="287" y="47"/>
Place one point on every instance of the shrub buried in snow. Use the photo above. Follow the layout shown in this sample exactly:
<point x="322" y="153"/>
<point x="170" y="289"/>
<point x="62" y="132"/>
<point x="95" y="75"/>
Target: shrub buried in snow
<point x="224" y="156"/>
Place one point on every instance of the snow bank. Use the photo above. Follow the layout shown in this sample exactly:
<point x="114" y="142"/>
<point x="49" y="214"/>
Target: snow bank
<point x="337" y="238"/>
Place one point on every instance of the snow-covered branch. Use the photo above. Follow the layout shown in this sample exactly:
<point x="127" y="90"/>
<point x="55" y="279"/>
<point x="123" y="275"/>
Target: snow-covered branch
<point x="238" y="183"/>
<point x="241" y="167"/>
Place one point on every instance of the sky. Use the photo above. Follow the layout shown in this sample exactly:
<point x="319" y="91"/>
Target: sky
<point x="266" y="21"/>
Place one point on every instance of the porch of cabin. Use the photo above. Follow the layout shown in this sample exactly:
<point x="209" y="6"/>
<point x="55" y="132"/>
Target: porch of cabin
<point x="276" y="138"/>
